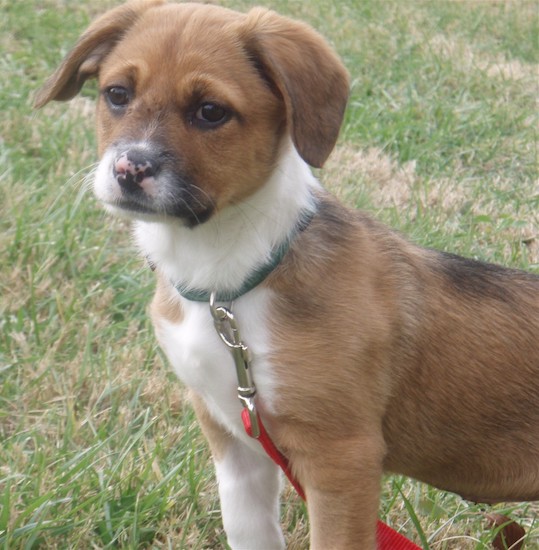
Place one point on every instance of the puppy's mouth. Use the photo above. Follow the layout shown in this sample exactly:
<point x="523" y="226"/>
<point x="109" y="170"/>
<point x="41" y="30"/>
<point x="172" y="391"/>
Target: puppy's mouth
<point x="142" y="184"/>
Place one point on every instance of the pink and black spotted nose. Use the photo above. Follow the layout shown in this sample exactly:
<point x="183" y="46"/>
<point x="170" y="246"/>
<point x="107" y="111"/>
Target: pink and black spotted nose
<point x="132" y="170"/>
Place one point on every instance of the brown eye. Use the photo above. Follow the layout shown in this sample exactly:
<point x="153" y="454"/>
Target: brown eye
<point x="209" y="115"/>
<point x="117" y="96"/>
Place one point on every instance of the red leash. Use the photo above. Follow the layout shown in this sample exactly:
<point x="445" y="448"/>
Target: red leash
<point x="271" y="450"/>
<point x="388" y="538"/>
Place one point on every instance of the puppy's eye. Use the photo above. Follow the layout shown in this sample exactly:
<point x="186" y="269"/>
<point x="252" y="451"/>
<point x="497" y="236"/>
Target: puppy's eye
<point x="117" y="96"/>
<point x="209" y="115"/>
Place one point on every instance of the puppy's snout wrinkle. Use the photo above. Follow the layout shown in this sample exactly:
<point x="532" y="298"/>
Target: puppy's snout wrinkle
<point x="132" y="168"/>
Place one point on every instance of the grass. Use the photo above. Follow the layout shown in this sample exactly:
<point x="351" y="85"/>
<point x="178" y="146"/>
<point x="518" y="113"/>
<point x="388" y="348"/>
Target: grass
<point x="99" y="448"/>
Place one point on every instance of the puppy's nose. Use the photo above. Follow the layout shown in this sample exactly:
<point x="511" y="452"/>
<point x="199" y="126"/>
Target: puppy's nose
<point x="131" y="168"/>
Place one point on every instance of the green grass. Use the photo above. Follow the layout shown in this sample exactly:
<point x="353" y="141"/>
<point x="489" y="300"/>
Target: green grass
<point x="99" y="448"/>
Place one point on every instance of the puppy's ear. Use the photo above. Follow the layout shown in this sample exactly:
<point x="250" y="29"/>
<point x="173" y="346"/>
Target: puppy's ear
<point x="84" y="60"/>
<point x="308" y="75"/>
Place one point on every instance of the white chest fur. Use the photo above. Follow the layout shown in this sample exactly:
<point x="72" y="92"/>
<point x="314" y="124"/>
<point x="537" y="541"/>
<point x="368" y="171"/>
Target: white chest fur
<point x="204" y="363"/>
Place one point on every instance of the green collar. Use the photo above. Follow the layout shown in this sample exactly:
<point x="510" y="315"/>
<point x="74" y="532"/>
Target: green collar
<point x="257" y="276"/>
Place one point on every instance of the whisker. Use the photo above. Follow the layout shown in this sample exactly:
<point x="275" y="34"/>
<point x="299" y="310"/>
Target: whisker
<point x="193" y="192"/>
<point x="81" y="179"/>
<point x="172" y="199"/>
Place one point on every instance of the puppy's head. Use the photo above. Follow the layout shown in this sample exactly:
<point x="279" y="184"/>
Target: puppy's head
<point x="196" y="100"/>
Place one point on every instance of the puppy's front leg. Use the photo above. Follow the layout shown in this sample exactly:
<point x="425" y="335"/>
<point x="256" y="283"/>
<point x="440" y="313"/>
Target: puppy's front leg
<point x="342" y="486"/>
<point x="249" y="487"/>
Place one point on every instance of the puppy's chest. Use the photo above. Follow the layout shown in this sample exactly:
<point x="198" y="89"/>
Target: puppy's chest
<point x="204" y="363"/>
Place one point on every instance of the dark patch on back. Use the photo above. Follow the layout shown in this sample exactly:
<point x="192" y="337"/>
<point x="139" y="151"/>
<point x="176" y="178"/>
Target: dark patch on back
<point x="483" y="280"/>
<point x="334" y="216"/>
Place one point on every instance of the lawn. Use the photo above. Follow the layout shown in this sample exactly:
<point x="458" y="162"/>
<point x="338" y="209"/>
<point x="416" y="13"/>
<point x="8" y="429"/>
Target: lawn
<point x="99" y="448"/>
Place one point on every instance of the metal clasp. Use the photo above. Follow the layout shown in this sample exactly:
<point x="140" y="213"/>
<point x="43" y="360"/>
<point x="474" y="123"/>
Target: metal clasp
<point x="227" y="329"/>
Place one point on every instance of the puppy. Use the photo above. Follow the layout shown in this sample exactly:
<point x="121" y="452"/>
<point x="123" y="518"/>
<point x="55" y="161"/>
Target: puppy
<point x="369" y="354"/>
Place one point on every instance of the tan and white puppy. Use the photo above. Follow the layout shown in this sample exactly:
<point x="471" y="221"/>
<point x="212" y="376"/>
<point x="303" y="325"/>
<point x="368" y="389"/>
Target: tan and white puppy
<point x="369" y="354"/>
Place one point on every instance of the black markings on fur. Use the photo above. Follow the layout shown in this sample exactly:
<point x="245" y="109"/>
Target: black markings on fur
<point x="480" y="279"/>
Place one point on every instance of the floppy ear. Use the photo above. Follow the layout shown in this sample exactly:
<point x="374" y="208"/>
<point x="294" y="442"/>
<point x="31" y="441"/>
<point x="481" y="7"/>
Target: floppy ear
<point x="83" y="61"/>
<point x="308" y="75"/>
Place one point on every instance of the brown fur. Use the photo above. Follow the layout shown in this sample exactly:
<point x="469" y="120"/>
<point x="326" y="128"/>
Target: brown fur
<point x="423" y="363"/>
<point x="390" y="357"/>
<point x="166" y="303"/>
<point x="218" y="438"/>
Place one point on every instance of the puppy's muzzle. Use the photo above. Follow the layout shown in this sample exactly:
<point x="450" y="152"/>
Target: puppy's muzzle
<point x="146" y="180"/>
